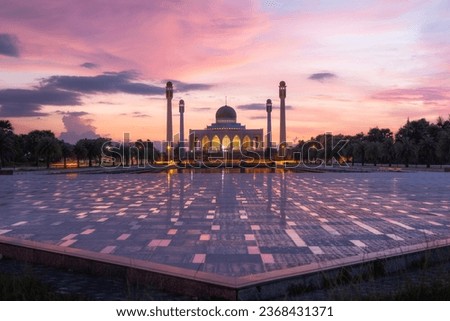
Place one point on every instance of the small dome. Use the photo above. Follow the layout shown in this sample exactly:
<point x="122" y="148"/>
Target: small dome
<point x="169" y="84"/>
<point x="226" y="114"/>
<point x="282" y="84"/>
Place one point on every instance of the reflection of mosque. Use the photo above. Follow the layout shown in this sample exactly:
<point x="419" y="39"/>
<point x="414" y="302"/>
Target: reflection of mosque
<point x="225" y="134"/>
<point x="273" y="187"/>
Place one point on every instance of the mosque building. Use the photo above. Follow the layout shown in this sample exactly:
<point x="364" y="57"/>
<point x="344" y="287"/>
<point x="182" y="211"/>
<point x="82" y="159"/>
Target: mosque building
<point x="226" y="134"/>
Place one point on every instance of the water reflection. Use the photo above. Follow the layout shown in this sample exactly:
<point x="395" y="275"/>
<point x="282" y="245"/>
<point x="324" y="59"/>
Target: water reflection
<point x="283" y="198"/>
<point x="169" y="194"/>
<point x="227" y="198"/>
<point x="269" y="193"/>
<point x="181" y="202"/>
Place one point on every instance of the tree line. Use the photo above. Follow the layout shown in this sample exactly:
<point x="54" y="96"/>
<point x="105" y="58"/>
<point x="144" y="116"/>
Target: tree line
<point x="43" y="147"/>
<point x="417" y="142"/>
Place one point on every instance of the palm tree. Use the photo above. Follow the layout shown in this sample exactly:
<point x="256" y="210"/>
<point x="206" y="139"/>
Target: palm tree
<point x="66" y="151"/>
<point x="427" y="149"/>
<point x="360" y="144"/>
<point x="6" y="142"/>
<point x="373" y="152"/>
<point x="6" y="147"/>
<point x="100" y="148"/>
<point x="406" y="150"/>
<point x="142" y="151"/>
<point x="443" y="147"/>
<point x="49" y="148"/>
<point x="32" y="141"/>
<point x="80" y="151"/>
<point x="388" y="151"/>
<point x="5" y="125"/>
<point x="90" y="146"/>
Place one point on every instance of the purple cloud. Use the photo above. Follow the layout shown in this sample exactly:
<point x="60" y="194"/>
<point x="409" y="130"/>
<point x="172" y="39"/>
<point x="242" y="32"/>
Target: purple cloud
<point x="184" y="87"/>
<point x="108" y="82"/>
<point x="8" y="45"/>
<point x="322" y="76"/>
<point x="427" y="94"/>
<point x="260" y="107"/>
<point x="28" y="102"/>
<point x="89" y="65"/>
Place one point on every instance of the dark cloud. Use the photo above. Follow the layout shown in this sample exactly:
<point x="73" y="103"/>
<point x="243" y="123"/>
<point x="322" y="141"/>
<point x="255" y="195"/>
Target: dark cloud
<point x="89" y="65"/>
<point x="184" y="87"/>
<point x="21" y="110"/>
<point x="41" y="96"/>
<point x="28" y="102"/>
<point x="322" y="76"/>
<point x="109" y="82"/>
<point x="69" y="90"/>
<point x="8" y="45"/>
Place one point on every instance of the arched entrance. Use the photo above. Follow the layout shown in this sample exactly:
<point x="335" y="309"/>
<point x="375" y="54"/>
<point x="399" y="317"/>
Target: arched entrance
<point x="215" y="145"/>
<point x="205" y="142"/>
<point x="226" y="142"/>
<point x="246" y="143"/>
<point x="236" y="143"/>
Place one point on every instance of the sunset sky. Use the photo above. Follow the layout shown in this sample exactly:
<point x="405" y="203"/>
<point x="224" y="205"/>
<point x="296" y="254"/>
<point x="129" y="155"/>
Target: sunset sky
<point x="87" y="68"/>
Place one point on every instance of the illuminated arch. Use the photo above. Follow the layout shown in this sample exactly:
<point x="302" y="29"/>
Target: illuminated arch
<point x="236" y="143"/>
<point x="226" y="142"/>
<point x="215" y="145"/>
<point x="246" y="143"/>
<point x="205" y="142"/>
<point x="256" y="142"/>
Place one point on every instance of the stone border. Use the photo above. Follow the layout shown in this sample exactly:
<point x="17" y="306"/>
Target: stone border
<point x="263" y="286"/>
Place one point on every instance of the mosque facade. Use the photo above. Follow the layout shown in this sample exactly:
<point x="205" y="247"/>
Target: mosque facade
<point x="226" y="134"/>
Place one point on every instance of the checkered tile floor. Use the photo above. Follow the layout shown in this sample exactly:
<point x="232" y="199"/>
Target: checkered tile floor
<point x="225" y="223"/>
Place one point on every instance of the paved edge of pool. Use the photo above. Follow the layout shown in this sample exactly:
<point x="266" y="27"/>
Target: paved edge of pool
<point x="203" y="285"/>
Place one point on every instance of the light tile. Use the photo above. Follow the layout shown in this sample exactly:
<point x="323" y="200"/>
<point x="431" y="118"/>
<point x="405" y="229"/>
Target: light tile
<point x="267" y="258"/>
<point x="69" y="237"/>
<point x="358" y="243"/>
<point x="205" y="237"/>
<point x="249" y="237"/>
<point x="123" y="237"/>
<point x="108" y="250"/>
<point x="316" y="250"/>
<point x="199" y="258"/>
<point x="253" y="250"/>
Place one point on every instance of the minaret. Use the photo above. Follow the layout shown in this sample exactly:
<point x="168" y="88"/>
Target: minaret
<point x="269" y="123"/>
<point x="181" y="108"/>
<point x="282" y="94"/>
<point x="169" y="133"/>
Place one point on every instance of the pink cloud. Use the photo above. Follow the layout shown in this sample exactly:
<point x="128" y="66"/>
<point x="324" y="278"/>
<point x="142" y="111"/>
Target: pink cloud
<point x="77" y="128"/>
<point x="159" y="39"/>
<point x="423" y="94"/>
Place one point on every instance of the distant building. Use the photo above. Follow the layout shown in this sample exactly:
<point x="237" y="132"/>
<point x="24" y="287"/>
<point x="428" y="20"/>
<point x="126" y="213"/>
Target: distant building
<point x="226" y="134"/>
